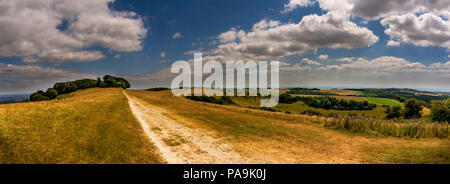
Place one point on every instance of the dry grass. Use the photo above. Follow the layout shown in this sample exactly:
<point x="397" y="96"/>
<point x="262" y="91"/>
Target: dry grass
<point x="270" y="137"/>
<point x="339" y="91"/>
<point x="90" y="126"/>
<point x="410" y="129"/>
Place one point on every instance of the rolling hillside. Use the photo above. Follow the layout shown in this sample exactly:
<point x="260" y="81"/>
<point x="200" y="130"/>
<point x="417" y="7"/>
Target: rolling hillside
<point x="90" y="126"/>
<point x="132" y="126"/>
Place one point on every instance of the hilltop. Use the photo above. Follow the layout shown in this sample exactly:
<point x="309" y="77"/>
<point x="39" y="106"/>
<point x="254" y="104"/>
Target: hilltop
<point x="112" y="125"/>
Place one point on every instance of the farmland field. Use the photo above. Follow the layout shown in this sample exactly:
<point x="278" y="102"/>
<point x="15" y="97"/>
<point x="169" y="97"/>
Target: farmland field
<point x="385" y="101"/>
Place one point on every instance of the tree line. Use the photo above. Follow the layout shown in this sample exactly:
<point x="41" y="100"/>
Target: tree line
<point x="440" y="110"/>
<point x="72" y="86"/>
<point x="326" y="102"/>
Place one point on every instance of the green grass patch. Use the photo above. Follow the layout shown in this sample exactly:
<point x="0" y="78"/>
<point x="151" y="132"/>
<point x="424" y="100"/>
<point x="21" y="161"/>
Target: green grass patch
<point x="385" y="101"/>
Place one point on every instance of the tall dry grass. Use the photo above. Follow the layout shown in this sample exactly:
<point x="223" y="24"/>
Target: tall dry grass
<point x="373" y="126"/>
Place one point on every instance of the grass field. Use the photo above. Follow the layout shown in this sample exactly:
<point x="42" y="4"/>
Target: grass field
<point x="90" y="126"/>
<point x="291" y="138"/>
<point x="385" y="101"/>
<point x="96" y="126"/>
<point x="300" y="107"/>
<point x="339" y="91"/>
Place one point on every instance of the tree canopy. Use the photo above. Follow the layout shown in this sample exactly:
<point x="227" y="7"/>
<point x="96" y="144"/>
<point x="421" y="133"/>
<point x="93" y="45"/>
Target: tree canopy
<point x="71" y="86"/>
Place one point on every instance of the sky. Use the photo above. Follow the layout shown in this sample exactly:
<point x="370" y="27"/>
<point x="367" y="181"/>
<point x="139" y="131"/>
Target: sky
<point x="320" y="43"/>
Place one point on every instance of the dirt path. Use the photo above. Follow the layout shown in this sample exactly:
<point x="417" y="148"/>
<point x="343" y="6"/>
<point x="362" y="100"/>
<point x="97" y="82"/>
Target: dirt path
<point x="179" y="144"/>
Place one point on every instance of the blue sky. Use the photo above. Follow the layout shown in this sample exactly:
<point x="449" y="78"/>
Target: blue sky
<point x="201" y="22"/>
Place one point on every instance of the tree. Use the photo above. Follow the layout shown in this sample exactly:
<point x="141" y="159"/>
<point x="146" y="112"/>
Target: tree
<point x="100" y="83"/>
<point x="394" y="112"/>
<point x="114" y="82"/>
<point x="440" y="111"/>
<point x="51" y="93"/>
<point x="38" y="97"/>
<point x="412" y="109"/>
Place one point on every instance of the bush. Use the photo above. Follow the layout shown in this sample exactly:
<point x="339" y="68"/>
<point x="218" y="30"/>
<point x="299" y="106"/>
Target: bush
<point x="413" y="109"/>
<point x="413" y="129"/>
<point x="224" y="100"/>
<point x="115" y="82"/>
<point x="38" y="97"/>
<point x="393" y="112"/>
<point x="157" y="89"/>
<point x="51" y="93"/>
<point x="440" y="112"/>
<point x="333" y="115"/>
<point x="311" y="113"/>
<point x="328" y="102"/>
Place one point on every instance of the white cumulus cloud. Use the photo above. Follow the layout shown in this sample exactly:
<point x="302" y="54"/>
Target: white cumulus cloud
<point x="64" y="30"/>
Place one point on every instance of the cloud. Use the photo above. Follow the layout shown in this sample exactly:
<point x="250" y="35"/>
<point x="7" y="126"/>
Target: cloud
<point x="162" y="55"/>
<point x="117" y="56"/>
<point x="445" y="65"/>
<point x="230" y="35"/>
<point x="385" y="8"/>
<point x="64" y="30"/>
<point x="393" y="43"/>
<point x="28" y="78"/>
<point x="323" y="57"/>
<point x="346" y="59"/>
<point x="383" y="64"/>
<point x="270" y="39"/>
<point x="418" y="22"/>
<point x="294" y="4"/>
<point x="424" y="30"/>
<point x="306" y="61"/>
<point x="177" y="35"/>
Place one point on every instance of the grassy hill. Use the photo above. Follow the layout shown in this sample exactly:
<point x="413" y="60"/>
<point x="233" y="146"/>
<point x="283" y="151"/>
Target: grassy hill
<point x="89" y="126"/>
<point x="277" y="137"/>
<point x="97" y="126"/>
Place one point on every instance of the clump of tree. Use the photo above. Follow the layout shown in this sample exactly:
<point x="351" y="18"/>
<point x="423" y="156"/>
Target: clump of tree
<point x="440" y="111"/>
<point x="413" y="109"/>
<point x="394" y="112"/>
<point x="327" y="102"/>
<point x="39" y="96"/>
<point x="71" y="86"/>
<point x="224" y="100"/>
<point x="307" y="91"/>
<point x="158" y="89"/>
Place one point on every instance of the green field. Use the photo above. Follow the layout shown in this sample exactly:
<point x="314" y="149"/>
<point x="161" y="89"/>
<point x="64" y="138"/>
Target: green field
<point x="299" y="107"/>
<point x="384" y="101"/>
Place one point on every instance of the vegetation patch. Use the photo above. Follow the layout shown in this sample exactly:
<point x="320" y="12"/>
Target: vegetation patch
<point x="61" y="88"/>
<point x="385" y="101"/>
<point x="412" y="129"/>
<point x="224" y="100"/>
<point x="326" y="102"/>
<point x="158" y="89"/>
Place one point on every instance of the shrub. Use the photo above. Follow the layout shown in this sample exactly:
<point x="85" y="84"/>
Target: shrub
<point x="224" y="100"/>
<point x="115" y="82"/>
<point x="158" y="89"/>
<point x="38" y="97"/>
<point x="440" y="111"/>
<point x="333" y="115"/>
<point x="51" y="93"/>
<point x="412" y="129"/>
<point x="311" y="113"/>
<point x="394" y="112"/>
<point x="328" y="102"/>
<point x="413" y="109"/>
